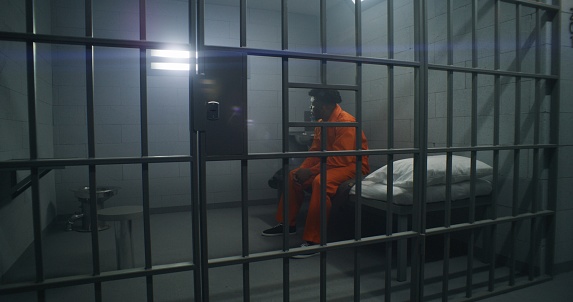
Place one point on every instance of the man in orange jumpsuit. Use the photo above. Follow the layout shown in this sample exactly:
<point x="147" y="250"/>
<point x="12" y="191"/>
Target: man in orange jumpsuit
<point x="324" y="107"/>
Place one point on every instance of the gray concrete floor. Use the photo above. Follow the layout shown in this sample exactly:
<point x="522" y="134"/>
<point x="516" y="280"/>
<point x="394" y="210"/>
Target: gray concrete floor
<point x="68" y="254"/>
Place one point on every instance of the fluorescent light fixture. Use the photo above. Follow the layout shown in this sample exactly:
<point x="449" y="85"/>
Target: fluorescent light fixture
<point x="176" y="54"/>
<point x="172" y="59"/>
<point x="354" y="1"/>
<point x="170" y="66"/>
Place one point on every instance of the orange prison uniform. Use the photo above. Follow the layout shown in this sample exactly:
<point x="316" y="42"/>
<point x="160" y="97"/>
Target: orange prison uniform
<point x="338" y="170"/>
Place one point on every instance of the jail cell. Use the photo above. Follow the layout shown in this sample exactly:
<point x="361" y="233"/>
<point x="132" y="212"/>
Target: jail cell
<point x="142" y="139"/>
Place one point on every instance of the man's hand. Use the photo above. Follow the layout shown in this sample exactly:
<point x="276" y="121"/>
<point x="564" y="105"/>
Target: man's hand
<point x="302" y="175"/>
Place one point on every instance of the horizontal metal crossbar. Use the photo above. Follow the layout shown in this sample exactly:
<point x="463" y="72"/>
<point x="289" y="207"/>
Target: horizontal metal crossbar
<point x="89" y="279"/>
<point x="318" y="248"/>
<point x="487" y="222"/>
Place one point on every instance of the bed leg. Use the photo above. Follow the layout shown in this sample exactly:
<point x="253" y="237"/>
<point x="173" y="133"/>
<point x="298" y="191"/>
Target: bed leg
<point x="402" y="253"/>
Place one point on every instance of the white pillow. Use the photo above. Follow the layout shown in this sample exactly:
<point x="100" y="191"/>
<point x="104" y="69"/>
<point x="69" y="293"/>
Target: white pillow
<point x="404" y="171"/>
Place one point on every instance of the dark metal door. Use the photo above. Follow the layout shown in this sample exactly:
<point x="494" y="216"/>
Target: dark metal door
<point x="220" y="107"/>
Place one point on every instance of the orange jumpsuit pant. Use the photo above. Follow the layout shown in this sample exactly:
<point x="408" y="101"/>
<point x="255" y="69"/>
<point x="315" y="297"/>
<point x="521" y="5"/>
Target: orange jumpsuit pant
<point x="334" y="177"/>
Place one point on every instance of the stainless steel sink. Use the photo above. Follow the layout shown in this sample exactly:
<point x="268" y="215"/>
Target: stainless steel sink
<point x="103" y="192"/>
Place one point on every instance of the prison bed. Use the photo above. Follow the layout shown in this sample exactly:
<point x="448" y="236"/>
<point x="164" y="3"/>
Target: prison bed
<point x="374" y="192"/>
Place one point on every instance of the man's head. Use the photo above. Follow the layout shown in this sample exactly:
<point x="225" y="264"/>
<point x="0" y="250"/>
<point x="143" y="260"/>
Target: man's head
<point x="323" y="101"/>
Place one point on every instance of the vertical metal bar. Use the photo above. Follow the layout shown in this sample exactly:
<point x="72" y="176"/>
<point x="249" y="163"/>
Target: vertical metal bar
<point x="323" y="133"/>
<point x="389" y="215"/>
<point x="533" y="248"/>
<point x="245" y="227"/>
<point x="390" y="158"/>
<point x="195" y="215"/>
<point x="517" y="152"/>
<point x="202" y="289"/>
<point x="285" y="166"/>
<point x="449" y="142"/>
<point x="243" y="26"/>
<point x="421" y="142"/>
<point x="356" y="255"/>
<point x="449" y="112"/>
<point x="470" y="257"/>
<point x="145" y="188"/>
<point x="33" y="146"/>
<point x="284" y="24"/>
<point x="37" y="227"/>
<point x="145" y="148"/>
<point x="89" y="54"/>
<point x="196" y="29"/>
<point x="285" y="134"/>
<point x="204" y="258"/>
<point x="323" y="26"/>
<point x="358" y="186"/>
<point x="286" y="222"/>
<point x="323" y="138"/>
<point x="244" y="178"/>
<point x="496" y="117"/>
<point x="358" y="31"/>
<point x="192" y="17"/>
<point x="31" y="82"/>
<point x="200" y="33"/>
<point x="286" y="194"/>
<point x="514" y="225"/>
<point x="554" y="139"/>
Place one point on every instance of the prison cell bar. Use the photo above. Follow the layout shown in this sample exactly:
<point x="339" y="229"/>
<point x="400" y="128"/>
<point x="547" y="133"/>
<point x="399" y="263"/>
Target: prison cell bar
<point x="285" y="172"/>
<point x="517" y="153"/>
<point x="390" y="165"/>
<point x="358" y="145"/>
<point x="449" y="144"/>
<point x="496" y="121"/>
<point x="535" y="173"/>
<point x="473" y="155"/>
<point x="89" y="56"/>
<point x="33" y="146"/>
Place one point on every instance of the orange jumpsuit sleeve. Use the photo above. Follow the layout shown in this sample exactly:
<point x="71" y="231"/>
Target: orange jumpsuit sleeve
<point x="341" y="138"/>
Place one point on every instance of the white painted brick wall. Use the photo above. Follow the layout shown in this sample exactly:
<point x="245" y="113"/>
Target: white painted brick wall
<point x="14" y="128"/>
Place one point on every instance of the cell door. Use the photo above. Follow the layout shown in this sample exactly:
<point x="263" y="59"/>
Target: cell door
<point x="427" y="93"/>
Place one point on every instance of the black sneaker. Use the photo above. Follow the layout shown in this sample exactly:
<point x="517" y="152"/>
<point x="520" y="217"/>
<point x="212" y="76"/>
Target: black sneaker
<point x="306" y="255"/>
<point x="277" y="230"/>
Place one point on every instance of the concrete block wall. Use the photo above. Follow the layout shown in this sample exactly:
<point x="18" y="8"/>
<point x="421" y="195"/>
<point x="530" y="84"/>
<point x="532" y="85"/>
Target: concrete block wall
<point x="14" y="128"/>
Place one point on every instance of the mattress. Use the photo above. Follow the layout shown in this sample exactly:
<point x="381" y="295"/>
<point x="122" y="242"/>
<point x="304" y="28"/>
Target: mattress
<point x="374" y="185"/>
<point x="435" y="193"/>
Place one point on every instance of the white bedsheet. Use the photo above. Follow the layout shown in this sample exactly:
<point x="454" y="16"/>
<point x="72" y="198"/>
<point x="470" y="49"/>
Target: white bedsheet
<point x="436" y="193"/>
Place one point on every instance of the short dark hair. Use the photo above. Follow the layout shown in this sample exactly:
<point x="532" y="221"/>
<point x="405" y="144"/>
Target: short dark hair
<point x="326" y="96"/>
